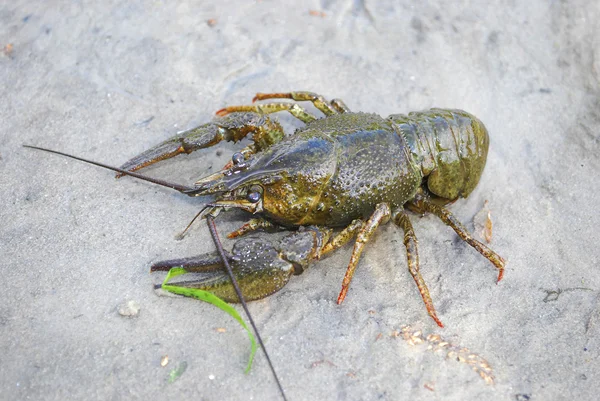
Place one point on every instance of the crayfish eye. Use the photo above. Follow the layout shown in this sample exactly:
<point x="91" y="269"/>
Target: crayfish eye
<point x="253" y="197"/>
<point x="238" y="158"/>
<point x="254" y="193"/>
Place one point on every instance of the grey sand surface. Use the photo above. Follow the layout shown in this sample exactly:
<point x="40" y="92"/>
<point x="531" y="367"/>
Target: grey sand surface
<point x="106" y="80"/>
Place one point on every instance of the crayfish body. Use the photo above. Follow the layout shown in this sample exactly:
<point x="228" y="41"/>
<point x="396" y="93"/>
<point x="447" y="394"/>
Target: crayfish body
<point x="350" y="170"/>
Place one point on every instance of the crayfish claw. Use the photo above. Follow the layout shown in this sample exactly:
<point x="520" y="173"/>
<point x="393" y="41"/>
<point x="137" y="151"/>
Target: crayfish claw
<point x="256" y="264"/>
<point x="203" y="136"/>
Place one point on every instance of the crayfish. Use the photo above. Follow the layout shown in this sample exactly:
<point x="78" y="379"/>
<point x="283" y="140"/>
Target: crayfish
<point x="350" y="170"/>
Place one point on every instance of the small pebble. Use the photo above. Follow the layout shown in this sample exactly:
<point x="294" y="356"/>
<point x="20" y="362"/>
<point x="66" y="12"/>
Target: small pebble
<point x="164" y="361"/>
<point x="129" y="308"/>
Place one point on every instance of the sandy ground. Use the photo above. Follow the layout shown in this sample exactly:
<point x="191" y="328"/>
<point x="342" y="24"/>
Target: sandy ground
<point x="106" y="80"/>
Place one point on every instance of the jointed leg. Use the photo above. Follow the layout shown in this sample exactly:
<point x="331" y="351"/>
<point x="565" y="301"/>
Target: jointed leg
<point x="412" y="254"/>
<point x="319" y="101"/>
<point x="232" y="128"/>
<point x="253" y="225"/>
<point x="379" y="216"/>
<point x="342" y="237"/>
<point x="269" y="108"/>
<point x="340" y="106"/>
<point x="421" y="203"/>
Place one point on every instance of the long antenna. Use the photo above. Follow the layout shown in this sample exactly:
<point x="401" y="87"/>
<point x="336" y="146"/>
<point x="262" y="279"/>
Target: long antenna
<point x="181" y="188"/>
<point x="213" y="232"/>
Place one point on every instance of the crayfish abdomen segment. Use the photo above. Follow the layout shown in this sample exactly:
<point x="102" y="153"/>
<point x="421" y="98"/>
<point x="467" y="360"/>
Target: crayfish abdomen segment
<point x="450" y="147"/>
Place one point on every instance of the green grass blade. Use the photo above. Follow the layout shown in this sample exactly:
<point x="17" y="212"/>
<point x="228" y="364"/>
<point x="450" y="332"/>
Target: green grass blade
<point x="177" y="372"/>
<point x="211" y="299"/>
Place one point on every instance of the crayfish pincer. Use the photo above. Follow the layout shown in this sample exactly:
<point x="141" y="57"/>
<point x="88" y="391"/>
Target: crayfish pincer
<point x="261" y="265"/>
<point x="350" y="170"/>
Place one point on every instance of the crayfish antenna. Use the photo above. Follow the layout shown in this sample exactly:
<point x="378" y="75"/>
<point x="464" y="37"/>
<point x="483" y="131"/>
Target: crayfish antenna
<point x="210" y="220"/>
<point x="202" y="213"/>
<point x="181" y="188"/>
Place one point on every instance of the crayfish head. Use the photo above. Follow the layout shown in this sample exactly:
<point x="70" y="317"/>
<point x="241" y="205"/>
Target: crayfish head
<point x="281" y="198"/>
<point x="248" y="198"/>
<point x="284" y="182"/>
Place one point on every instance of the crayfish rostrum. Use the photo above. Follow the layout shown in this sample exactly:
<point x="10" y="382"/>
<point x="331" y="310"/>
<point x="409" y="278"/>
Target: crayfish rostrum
<point x="349" y="170"/>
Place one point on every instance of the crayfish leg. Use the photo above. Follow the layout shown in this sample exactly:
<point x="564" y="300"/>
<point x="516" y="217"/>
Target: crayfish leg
<point x="317" y="100"/>
<point x="253" y="225"/>
<point x="423" y="204"/>
<point x="380" y="216"/>
<point x="412" y="255"/>
<point x="340" y="106"/>
<point x="269" y="108"/>
<point x="343" y="237"/>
